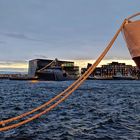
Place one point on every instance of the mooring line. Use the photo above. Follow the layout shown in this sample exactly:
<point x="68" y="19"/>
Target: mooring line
<point x="63" y="94"/>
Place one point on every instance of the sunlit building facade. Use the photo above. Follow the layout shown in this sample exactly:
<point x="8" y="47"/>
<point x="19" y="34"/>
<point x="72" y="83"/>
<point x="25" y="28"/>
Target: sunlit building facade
<point x="111" y="69"/>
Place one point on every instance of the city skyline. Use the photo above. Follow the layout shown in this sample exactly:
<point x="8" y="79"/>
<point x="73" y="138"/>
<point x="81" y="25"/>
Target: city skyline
<point x="23" y="66"/>
<point x="71" y="30"/>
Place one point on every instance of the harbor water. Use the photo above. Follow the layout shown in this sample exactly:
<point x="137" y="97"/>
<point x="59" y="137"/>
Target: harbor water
<point x="98" y="110"/>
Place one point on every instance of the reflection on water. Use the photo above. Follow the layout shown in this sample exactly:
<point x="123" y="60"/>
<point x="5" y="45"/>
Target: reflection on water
<point x="34" y="81"/>
<point x="98" y="110"/>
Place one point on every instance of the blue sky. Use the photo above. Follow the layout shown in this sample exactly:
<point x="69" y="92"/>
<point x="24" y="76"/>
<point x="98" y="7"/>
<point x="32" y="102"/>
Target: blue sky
<point x="66" y="29"/>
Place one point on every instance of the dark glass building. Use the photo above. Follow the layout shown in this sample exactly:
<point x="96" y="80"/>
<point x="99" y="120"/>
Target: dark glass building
<point x="37" y="68"/>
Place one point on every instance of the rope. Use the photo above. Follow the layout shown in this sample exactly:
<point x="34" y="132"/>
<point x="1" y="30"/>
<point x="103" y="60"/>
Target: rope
<point x="65" y="93"/>
<point x="46" y="66"/>
<point x="137" y="14"/>
<point x="42" y="106"/>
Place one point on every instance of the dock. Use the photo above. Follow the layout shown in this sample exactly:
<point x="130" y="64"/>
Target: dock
<point x="17" y="77"/>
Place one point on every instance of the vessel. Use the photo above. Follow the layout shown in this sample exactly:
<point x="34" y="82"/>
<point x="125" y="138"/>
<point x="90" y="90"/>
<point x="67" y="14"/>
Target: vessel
<point x="119" y="76"/>
<point x="54" y="74"/>
<point x="131" y="32"/>
<point x="99" y="78"/>
<point x="53" y="70"/>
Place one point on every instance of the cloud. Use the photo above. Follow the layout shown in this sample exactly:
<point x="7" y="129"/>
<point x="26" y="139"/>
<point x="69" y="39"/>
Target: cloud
<point x="20" y="36"/>
<point x="65" y="29"/>
<point x="2" y="42"/>
<point x="10" y="70"/>
<point x="41" y="56"/>
<point x="13" y="64"/>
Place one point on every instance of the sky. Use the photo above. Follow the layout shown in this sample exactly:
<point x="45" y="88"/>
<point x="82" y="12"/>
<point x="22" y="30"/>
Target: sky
<point x="63" y="29"/>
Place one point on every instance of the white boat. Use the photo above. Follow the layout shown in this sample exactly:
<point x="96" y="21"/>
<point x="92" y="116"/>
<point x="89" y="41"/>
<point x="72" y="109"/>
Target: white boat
<point x="119" y="76"/>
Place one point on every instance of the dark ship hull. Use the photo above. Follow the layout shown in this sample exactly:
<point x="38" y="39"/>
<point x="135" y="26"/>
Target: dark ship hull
<point x="137" y="61"/>
<point x="53" y="70"/>
<point x="53" y="74"/>
<point x="131" y="32"/>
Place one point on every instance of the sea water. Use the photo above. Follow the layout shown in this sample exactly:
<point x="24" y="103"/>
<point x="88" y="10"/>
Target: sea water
<point x="97" y="110"/>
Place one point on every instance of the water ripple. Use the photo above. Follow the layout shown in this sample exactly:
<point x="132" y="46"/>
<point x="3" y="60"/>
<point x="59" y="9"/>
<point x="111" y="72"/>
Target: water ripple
<point x="98" y="110"/>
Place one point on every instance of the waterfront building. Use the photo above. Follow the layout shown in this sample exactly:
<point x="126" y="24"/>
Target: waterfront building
<point x="67" y="67"/>
<point x="111" y="69"/>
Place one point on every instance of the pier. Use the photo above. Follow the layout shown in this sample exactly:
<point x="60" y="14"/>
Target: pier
<point x="17" y="77"/>
<point x="8" y="76"/>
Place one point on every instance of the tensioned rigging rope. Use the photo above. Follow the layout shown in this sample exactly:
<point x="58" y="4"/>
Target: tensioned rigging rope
<point x="72" y="88"/>
<point x="65" y="93"/>
<point x="137" y="14"/>
<point x="46" y="66"/>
